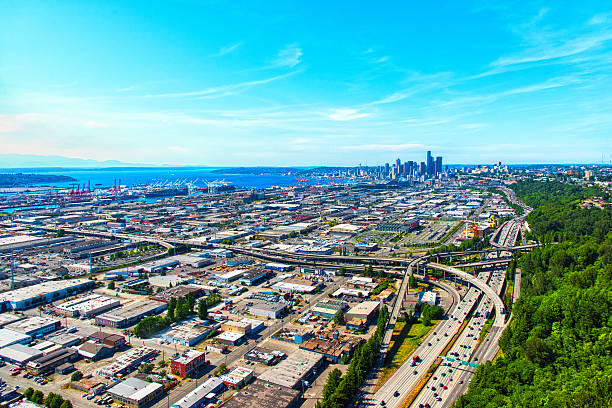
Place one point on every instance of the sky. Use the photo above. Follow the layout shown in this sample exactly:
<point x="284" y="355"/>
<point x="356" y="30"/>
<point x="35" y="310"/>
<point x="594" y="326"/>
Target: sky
<point x="274" y="83"/>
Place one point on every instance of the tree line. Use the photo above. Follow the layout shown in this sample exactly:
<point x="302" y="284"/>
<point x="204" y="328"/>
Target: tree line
<point x="557" y="348"/>
<point x="340" y="389"/>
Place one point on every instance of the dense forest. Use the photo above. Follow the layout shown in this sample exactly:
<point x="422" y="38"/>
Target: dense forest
<point x="556" y="350"/>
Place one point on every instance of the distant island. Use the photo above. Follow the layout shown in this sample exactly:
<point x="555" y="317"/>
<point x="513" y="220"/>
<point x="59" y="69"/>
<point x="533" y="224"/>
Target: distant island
<point x="23" y="180"/>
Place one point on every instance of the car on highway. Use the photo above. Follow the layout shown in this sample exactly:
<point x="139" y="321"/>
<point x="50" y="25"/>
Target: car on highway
<point x="396" y="394"/>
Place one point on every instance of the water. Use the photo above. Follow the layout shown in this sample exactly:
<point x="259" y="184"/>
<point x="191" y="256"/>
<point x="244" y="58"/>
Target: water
<point x="105" y="177"/>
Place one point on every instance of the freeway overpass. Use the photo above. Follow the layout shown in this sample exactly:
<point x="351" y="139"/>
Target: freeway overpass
<point x="500" y="310"/>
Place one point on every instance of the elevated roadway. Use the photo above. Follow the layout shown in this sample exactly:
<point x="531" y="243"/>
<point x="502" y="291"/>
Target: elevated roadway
<point x="483" y="286"/>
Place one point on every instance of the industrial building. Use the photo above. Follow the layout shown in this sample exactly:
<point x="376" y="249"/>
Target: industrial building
<point x="43" y="293"/>
<point x="128" y="315"/>
<point x="188" y="334"/>
<point x="258" y="355"/>
<point x="229" y="276"/>
<point x="9" y="337"/>
<point x="298" y="367"/>
<point x="35" y="326"/>
<point x="237" y="327"/>
<point x="231" y="338"/>
<point x="95" y="351"/>
<point x="367" y="310"/>
<point x="332" y="345"/>
<point x="328" y="308"/>
<point x="273" y="310"/>
<point x="128" y="361"/>
<point x="263" y="394"/>
<point x="19" y="354"/>
<point x="254" y="277"/>
<point x="136" y="393"/>
<point x="169" y="280"/>
<point x="188" y="362"/>
<point x="201" y="395"/>
<point x="116" y="341"/>
<point x="50" y="361"/>
<point x="86" y="306"/>
<point x="429" y="297"/>
<point x="158" y="265"/>
<point x="178" y="291"/>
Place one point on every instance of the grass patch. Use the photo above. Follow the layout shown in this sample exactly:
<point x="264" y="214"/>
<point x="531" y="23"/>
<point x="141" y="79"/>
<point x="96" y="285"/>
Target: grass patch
<point x="405" y="339"/>
<point x="486" y="328"/>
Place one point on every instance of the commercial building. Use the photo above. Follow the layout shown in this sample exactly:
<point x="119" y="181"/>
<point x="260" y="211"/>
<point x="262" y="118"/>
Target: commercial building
<point x="201" y="395"/>
<point x="397" y="227"/>
<point x="43" y="293"/>
<point x="273" y="310"/>
<point x="136" y="393"/>
<point x="188" y="362"/>
<point x="128" y="315"/>
<point x="238" y="377"/>
<point x="86" y="306"/>
<point x="298" y="367"/>
<point x="264" y="394"/>
<point x="35" y="326"/>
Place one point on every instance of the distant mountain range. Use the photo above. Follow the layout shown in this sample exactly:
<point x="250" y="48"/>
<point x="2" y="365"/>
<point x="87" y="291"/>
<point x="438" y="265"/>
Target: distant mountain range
<point x="10" y="161"/>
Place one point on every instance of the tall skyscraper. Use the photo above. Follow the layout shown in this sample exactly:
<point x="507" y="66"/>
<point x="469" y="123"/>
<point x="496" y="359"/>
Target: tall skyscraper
<point x="431" y="169"/>
<point x="438" y="164"/>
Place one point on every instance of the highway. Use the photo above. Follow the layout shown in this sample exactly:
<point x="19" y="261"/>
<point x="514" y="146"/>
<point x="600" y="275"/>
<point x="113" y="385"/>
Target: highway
<point x="450" y="373"/>
<point x="407" y="377"/>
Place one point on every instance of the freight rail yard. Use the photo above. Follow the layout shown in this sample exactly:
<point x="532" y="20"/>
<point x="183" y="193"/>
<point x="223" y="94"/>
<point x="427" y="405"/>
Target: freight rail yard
<point x="185" y="300"/>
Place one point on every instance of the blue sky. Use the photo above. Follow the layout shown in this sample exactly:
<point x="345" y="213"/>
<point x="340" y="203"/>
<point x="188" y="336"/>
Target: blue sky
<point x="307" y="83"/>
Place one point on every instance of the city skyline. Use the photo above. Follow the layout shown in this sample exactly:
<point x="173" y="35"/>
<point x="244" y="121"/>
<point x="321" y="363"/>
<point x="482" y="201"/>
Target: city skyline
<point x="271" y="85"/>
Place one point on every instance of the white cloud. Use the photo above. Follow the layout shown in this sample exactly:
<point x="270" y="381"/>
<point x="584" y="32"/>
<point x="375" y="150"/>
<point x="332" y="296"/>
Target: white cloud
<point x="549" y="51"/>
<point x="228" y="49"/>
<point x="223" y="90"/>
<point x="290" y="56"/>
<point x="347" y="114"/>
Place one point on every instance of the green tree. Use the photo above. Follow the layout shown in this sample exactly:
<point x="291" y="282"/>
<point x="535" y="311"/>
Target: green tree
<point x="76" y="376"/>
<point x="60" y="232"/>
<point x="339" y="317"/>
<point x="111" y="285"/>
<point x="28" y="393"/>
<point x="171" y="307"/>
<point x="202" y="309"/>
<point x="66" y="404"/>
<point x="37" y="397"/>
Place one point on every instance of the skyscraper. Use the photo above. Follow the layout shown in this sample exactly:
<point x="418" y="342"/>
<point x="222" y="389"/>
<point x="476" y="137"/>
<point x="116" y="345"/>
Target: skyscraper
<point x="438" y="164"/>
<point x="431" y="169"/>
